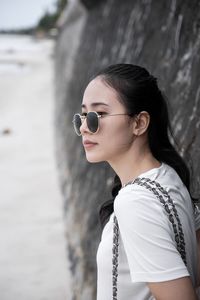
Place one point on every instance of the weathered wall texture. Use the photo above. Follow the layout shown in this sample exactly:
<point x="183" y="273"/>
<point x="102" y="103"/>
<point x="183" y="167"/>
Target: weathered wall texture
<point x="164" y="37"/>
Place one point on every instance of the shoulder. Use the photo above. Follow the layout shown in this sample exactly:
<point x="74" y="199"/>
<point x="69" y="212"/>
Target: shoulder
<point x="144" y="191"/>
<point x="138" y="205"/>
<point x="133" y="194"/>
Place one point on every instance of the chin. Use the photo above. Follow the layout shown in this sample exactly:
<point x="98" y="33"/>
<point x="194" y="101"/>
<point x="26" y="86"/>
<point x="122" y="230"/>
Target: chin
<point x="93" y="158"/>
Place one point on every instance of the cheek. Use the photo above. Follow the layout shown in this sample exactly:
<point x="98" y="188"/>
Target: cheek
<point x="115" y="138"/>
<point x="119" y="143"/>
<point x="117" y="133"/>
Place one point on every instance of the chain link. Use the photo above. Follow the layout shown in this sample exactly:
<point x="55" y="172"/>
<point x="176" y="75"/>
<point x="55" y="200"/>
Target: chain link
<point x="173" y="217"/>
<point x="115" y="256"/>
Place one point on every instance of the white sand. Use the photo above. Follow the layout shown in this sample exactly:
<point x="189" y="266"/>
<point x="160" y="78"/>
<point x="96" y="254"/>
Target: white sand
<point x="33" y="262"/>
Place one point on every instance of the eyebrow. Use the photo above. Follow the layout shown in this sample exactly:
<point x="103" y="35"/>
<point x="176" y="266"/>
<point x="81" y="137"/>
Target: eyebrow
<point x="95" y="104"/>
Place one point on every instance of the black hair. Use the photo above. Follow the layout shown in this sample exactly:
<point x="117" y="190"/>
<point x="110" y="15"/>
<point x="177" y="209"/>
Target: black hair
<point x="138" y="91"/>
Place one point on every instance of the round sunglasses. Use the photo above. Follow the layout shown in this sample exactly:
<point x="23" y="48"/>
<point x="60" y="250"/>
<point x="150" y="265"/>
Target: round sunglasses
<point x="92" y="119"/>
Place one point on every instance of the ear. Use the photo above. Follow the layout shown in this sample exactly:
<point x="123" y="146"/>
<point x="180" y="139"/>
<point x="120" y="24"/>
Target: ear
<point x="141" y="123"/>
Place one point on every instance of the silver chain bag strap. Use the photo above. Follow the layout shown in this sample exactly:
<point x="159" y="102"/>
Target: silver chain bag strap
<point x="173" y="217"/>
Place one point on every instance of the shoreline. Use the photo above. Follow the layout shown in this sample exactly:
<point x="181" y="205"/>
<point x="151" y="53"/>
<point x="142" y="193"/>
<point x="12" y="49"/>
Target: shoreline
<point x="33" y="255"/>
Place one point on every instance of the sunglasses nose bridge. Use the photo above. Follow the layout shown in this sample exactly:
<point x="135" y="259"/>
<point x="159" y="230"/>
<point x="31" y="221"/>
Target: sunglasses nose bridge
<point x="83" y="127"/>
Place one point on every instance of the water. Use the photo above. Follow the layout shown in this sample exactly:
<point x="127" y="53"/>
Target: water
<point x="17" y="50"/>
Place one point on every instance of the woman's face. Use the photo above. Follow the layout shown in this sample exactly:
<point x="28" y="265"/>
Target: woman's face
<point x="115" y="135"/>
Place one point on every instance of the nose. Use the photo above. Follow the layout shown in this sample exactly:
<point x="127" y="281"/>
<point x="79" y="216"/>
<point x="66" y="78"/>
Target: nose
<point x="83" y="127"/>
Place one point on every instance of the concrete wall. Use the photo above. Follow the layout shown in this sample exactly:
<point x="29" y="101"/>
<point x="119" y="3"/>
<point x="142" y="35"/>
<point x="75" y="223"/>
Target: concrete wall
<point x="164" y="37"/>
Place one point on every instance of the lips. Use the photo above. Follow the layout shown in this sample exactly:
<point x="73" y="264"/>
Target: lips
<point x="88" y="143"/>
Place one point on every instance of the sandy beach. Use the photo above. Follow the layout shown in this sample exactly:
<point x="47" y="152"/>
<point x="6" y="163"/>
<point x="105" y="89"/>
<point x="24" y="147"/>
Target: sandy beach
<point x="33" y="256"/>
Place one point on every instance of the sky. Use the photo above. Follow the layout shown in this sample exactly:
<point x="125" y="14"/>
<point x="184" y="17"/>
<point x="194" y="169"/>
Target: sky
<point x="17" y="14"/>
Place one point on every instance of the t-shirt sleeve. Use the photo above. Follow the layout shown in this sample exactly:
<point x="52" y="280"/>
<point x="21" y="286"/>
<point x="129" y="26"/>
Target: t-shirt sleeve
<point x="147" y="237"/>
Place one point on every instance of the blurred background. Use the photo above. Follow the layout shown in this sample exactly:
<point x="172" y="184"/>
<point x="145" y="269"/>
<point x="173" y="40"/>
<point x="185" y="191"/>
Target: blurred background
<point x="33" y="257"/>
<point x="50" y="195"/>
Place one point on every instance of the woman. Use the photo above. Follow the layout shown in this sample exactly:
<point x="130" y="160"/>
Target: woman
<point x="124" y="121"/>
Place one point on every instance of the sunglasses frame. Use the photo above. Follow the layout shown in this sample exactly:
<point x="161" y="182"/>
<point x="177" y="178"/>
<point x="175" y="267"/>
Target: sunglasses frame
<point x="83" y="117"/>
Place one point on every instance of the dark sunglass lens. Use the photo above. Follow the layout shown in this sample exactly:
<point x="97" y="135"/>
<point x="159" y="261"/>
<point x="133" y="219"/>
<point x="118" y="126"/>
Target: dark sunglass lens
<point x="92" y="121"/>
<point x="77" y="124"/>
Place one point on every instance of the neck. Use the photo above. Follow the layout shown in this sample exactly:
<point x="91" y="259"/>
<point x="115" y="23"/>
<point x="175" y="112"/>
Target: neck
<point x="133" y="163"/>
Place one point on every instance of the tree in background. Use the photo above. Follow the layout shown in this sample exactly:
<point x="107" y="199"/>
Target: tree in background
<point x="48" y="20"/>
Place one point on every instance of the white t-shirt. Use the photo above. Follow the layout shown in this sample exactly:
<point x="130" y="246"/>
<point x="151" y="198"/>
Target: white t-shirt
<point x="147" y="248"/>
